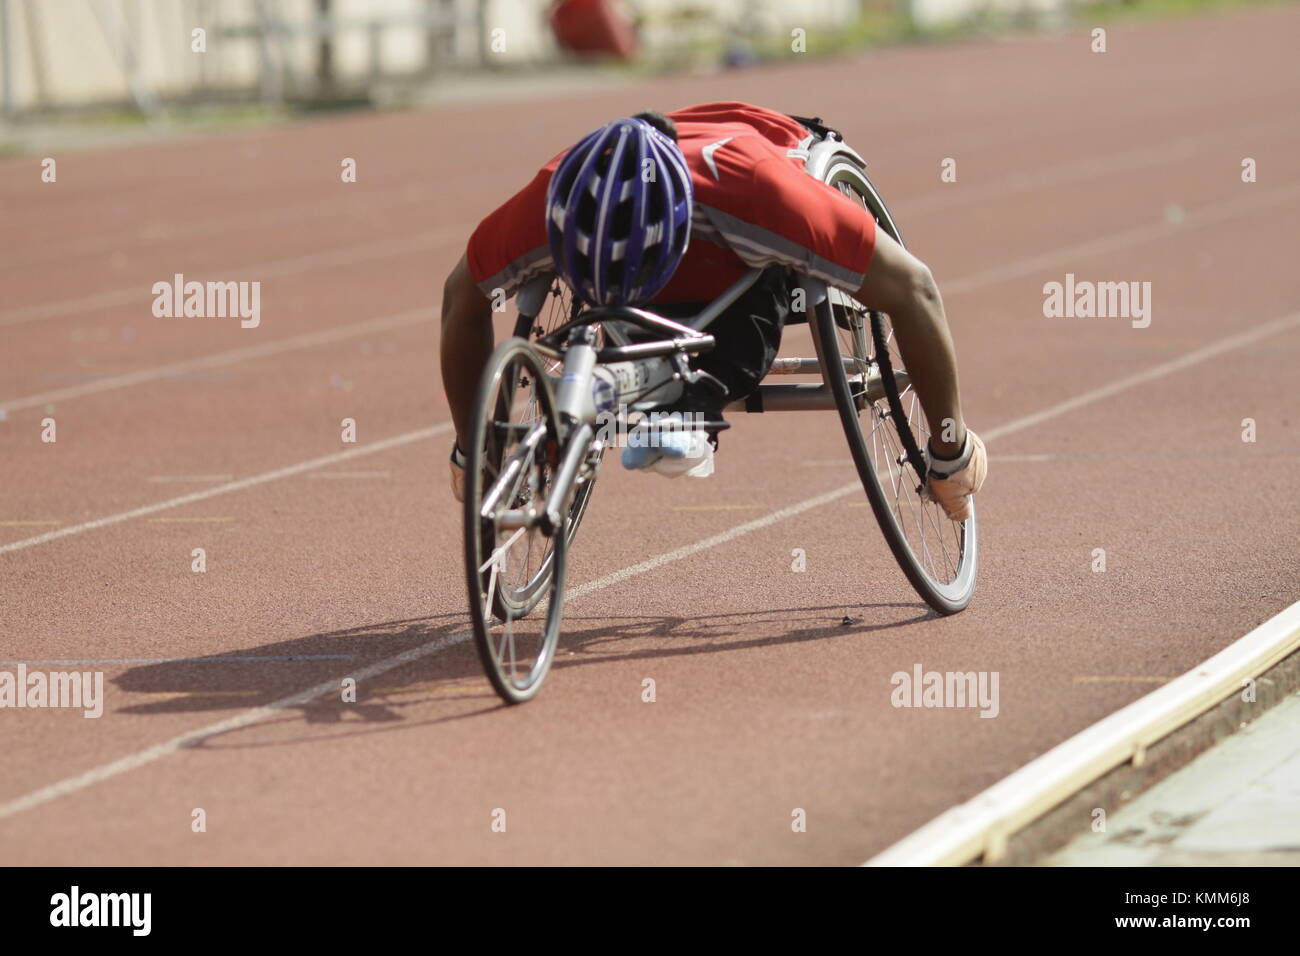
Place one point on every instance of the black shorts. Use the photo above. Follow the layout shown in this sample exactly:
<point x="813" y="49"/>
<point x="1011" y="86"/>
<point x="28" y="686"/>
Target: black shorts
<point x="748" y="334"/>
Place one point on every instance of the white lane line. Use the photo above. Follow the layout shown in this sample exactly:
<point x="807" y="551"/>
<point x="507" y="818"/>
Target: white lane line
<point x="275" y="268"/>
<point x="240" y="485"/>
<point x="714" y="507"/>
<point x="1195" y="219"/>
<point x="1195" y="357"/>
<point x="352" y="474"/>
<point x="304" y="341"/>
<point x="185" y="479"/>
<point x="1245" y="453"/>
<point x="1206" y="215"/>
<point x="705" y="544"/>
<point x="252" y="659"/>
<point x="1144" y="157"/>
<point x="157" y="752"/>
<point x="153" y="232"/>
<point x="191" y="520"/>
<point x="149" y="755"/>
<point x="1119" y="679"/>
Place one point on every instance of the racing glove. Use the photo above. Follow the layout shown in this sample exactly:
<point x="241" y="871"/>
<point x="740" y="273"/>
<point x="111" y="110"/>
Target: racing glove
<point x="952" y="481"/>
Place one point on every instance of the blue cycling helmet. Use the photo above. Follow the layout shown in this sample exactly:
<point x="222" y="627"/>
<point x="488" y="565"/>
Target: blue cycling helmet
<point x="618" y="213"/>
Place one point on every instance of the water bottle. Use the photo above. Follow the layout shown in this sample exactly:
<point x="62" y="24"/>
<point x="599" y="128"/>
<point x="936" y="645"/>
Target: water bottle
<point x="646" y="380"/>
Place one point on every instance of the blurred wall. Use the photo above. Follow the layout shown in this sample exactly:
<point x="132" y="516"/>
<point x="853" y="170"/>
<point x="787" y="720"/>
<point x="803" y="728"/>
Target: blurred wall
<point x="931" y="13"/>
<point x="75" y="52"/>
<point x="71" y="53"/>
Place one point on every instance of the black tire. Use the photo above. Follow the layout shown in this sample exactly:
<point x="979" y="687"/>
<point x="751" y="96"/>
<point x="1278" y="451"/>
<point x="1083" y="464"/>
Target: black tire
<point x="938" y="556"/>
<point x="492" y="562"/>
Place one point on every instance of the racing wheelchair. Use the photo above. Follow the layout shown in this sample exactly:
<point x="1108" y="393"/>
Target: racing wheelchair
<point x="536" y="445"/>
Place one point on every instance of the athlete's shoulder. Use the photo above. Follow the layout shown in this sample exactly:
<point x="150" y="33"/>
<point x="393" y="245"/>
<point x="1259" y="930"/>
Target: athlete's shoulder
<point x="704" y="119"/>
<point x="510" y="241"/>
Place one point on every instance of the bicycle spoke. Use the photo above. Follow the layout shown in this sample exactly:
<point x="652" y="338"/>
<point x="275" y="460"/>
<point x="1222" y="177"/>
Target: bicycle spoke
<point x="936" y="541"/>
<point x="513" y="567"/>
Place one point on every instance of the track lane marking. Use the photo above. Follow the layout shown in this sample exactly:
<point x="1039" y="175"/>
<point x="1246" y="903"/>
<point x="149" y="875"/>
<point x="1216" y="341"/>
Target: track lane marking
<point x="250" y="659"/>
<point x="1213" y="213"/>
<point x="714" y="507"/>
<point x="1060" y="408"/>
<point x="289" y="470"/>
<point x="353" y="474"/>
<point x="152" y="232"/>
<point x="273" y="269"/>
<point x="1194" y="357"/>
<point x="218" y="359"/>
<point x="1195" y="219"/>
<point x="142" y="758"/>
<point x="194" y="520"/>
<point x="1120" y="679"/>
<point x="1143" y="157"/>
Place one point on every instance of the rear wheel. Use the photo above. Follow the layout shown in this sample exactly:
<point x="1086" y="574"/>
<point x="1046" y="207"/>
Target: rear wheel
<point x="887" y="430"/>
<point x="513" y="564"/>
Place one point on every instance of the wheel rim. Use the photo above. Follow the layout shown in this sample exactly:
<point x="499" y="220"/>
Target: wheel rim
<point x="518" y="440"/>
<point x="943" y="551"/>
<point x="518" y="409"/>
<point x="938" y="544"/>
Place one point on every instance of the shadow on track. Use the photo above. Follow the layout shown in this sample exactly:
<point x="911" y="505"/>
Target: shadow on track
<point x="243" y="679"/>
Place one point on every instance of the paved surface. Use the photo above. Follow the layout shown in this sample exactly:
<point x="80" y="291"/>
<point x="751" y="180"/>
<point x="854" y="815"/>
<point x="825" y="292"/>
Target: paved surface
<point x="1235" y="805"/>
<point x="327" y="560"/>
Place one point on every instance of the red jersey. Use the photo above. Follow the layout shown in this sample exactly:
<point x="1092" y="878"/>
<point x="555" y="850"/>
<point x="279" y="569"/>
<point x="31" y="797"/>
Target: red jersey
<point x="755" y="206"/>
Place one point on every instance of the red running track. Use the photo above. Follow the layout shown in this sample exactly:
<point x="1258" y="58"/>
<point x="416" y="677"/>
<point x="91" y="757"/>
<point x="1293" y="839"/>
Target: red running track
<point x="1118" y="166"/>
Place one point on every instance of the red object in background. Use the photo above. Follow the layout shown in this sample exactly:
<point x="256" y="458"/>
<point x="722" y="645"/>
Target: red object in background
<point x="593" y="26"/>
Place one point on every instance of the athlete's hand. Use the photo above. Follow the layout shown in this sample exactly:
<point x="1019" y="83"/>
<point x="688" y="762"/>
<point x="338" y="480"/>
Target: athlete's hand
<point x="457" y="466"/>
<point x="953" y="482"/>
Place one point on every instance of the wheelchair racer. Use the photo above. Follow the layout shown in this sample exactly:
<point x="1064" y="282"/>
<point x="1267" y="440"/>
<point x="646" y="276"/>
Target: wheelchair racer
<point x="667" y="211"/>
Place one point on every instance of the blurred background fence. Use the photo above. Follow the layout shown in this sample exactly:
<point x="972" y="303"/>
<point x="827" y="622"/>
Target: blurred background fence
<point x="58" y="55"/>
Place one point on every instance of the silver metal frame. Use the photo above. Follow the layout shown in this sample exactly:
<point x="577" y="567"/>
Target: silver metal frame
<point x="573" y="393"/>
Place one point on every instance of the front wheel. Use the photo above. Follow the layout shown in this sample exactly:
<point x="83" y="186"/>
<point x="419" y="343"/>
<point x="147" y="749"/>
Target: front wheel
<point x="558" y="307"/>
<point x="514" y="562"/>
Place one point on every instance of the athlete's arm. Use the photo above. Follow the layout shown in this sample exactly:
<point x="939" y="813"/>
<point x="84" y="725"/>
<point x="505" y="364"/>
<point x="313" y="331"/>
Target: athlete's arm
<point x="900" y="284"/>
<point x="466" y="344"/>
